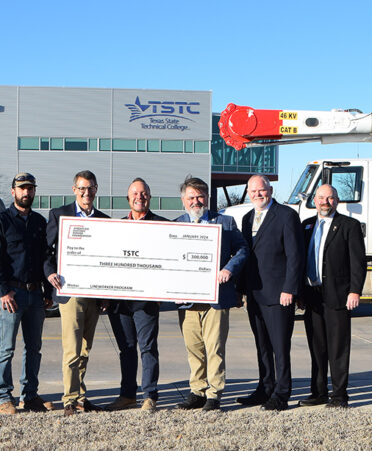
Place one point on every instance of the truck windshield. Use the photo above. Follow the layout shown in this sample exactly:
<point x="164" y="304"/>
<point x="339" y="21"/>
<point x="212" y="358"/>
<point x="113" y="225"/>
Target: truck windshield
<point x="302" y="184"/>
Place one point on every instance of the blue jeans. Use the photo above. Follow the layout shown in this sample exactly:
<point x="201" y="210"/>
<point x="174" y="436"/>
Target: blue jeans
<point x="30" y="314"/>
<point x="129" y="328"/>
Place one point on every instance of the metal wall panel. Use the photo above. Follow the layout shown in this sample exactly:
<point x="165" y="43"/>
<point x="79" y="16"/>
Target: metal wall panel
<point x="55" y="171"/>
<point x="8" y="141"/>
<point x="163" y="172"/>
<point x="65" y="112"/>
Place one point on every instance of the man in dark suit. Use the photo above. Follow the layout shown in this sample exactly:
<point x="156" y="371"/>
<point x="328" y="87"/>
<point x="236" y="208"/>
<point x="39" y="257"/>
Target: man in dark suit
<point x="137" y="321"/>
<point x="205" y="327"/>
<point x="271" y="280"/>
<point x="79" y="316"/>
<point x="335" y="274"/>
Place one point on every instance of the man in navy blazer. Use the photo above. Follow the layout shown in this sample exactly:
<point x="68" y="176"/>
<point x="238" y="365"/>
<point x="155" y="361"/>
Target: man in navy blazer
<point x="271" y="280"/>
<point x="330" y="293"/>
<point x="79" y="316"/>
<point x="204" y="326"/>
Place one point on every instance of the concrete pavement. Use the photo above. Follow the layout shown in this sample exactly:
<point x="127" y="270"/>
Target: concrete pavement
<point x="103" y="375"/>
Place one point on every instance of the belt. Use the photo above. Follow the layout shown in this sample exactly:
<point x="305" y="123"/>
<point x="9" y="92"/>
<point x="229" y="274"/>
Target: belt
<point x="30" y="286"/>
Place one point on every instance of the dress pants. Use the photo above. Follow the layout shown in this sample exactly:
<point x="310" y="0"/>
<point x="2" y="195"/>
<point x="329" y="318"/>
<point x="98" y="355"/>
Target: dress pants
<point x="205" y="331"/>
<point x="329" y="334"/>
<point x="79" y="318"/>
<point x="140" y="326"/>
<point x="272" y="326"/>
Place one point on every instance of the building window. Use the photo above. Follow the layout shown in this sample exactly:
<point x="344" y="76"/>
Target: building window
<point x="56" y="143"/>
<point x="171" y="203"/>
<point x="68" y="200"/>
<point x="44" y="202"/>
<point x="92" y="145"/>
<point x="201" y="146"/>
<point x="105" y="145"/>
<point x="44" y="143"/>
<point x="172" y="146"/>
<point x="104" y="202"/>
<point x="189" y="146"/>
<point x="36" y="202"/>
<point x="76" y="144"/>
<point x="124" y="145"/>
<point x="155" y="203"/>
<point x="56" y="201"/>
<point x="120" y="203"/>
<point x="141" y="145"/>
<point x="153" y="145"/>
<point x="28" y="143"/>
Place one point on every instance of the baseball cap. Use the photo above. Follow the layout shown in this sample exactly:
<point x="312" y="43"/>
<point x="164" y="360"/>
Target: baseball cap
<point x="23" y="178"/>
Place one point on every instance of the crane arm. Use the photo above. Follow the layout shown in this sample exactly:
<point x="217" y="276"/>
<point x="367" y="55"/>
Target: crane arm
<point x="242" y="126"/>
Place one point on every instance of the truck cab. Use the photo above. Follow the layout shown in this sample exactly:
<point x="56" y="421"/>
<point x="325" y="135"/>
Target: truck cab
<point x="350" y="178"/>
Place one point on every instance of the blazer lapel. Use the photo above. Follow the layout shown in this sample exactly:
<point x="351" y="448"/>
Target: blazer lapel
<point x="309" y="229"/>
<point x="270" y="215"/>
<point x="335" y="227"/>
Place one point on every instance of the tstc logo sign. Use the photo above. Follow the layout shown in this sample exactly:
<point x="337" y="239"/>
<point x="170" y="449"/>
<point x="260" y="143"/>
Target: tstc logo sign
<point x="165" y="108"/>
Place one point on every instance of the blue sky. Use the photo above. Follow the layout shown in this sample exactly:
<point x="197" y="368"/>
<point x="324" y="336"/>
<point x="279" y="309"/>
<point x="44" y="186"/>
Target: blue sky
<point x="274" y="55"/>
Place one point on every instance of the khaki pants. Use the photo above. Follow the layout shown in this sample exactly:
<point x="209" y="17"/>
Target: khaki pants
<point x="79" y="319"/>
<point x="205" y="333"/>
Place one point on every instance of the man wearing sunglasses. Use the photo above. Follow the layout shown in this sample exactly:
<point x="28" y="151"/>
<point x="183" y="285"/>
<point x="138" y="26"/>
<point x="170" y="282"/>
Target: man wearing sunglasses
<point x="24" y="294"/>
<point x="79" y="316"/>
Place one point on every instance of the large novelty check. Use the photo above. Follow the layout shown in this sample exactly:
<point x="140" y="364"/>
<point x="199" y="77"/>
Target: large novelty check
<point x="139" y="260"/>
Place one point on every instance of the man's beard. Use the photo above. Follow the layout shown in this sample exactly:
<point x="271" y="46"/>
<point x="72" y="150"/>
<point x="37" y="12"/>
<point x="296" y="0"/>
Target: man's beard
<point x="197" y="213"/>
<point x="326" y="211"/>
<point x="24" y="201"/>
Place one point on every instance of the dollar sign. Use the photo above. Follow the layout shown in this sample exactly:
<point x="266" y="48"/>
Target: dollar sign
<point x="184" y="256"/>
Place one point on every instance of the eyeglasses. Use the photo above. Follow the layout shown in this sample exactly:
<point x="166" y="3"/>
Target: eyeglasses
<point x="82" y="189"/>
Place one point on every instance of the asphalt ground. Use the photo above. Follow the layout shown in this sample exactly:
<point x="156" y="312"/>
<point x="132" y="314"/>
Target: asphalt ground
<point x="103" y="375"/>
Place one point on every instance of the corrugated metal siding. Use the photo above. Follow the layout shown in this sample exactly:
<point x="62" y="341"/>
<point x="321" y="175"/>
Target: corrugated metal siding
<point x="65" y="112"/>
<point x="55" y="170"/>
<point x="163" y="172"/>
<point x="8" y="140"/>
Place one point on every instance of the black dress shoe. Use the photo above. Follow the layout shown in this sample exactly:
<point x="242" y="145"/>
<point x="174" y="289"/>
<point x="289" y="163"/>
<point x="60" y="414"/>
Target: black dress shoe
<point x="87" y="406"/>
<point x="211" y="404"/>
<point x="275" y="404"/>
<point x="313" y="401"/>
<point x="337" y="403"/>
<point x="192" y="402"/>
<point x="255" y="399"/>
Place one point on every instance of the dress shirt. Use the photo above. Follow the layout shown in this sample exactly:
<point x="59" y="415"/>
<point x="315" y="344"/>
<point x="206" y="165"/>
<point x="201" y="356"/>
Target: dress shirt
<point x="81" y="213"/>
<point x="327" y="224"/>
<point x="22" y="249"/>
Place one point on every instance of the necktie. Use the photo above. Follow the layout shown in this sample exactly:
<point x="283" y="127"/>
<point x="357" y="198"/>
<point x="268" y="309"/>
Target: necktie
<point x="257" y="222"/>
<point x="313" y="258"/>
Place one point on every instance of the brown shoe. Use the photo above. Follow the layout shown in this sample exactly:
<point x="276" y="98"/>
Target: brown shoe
<point x="87" y="406"/>
<point x="149" y="405"/>
<point x="47" y="404"/>
<point x="121" y="403"/>
<point x="34" y="405"/>
<point x="70" y="409"/>
<point x="7" y="408"/>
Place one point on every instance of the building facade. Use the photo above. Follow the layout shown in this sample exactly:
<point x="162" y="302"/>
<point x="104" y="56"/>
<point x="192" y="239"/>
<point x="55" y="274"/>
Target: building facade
<point x="119" y="134"/>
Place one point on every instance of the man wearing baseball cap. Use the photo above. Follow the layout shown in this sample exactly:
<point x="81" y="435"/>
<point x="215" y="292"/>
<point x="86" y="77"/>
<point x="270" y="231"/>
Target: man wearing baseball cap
<point x="24" y="293"/>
